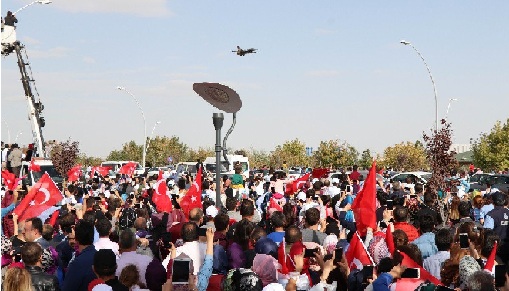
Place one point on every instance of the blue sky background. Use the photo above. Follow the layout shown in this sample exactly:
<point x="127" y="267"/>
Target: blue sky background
<point x="324" y="70"/>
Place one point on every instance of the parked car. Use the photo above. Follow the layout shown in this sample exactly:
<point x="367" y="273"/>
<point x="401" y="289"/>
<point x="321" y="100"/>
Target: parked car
<point x="155" y="171"/>
<point x="419" y="177"/>
<point x="499" y="181"/>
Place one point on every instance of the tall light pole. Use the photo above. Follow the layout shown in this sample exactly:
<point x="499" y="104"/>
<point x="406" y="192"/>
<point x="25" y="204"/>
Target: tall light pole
<point x="16" y="139"/>
<point x="32" y="3"/>
<point x="449" y="106"/>
<point x="430" y="76"/>
<point x="144" y="123"/>
<point x="151" y="135"/>
<point x="217" y="120"/>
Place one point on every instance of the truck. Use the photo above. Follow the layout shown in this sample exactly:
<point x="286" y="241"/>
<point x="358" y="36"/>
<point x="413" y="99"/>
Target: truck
<point x="32" y="177"/>
<point x="227" y="168"/>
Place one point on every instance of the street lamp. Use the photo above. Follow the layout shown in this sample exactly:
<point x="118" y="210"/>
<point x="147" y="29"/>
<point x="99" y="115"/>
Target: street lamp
<point x="16" y="139"/>
<point x="449" y="106"/>
<point x="8" y="133"/>
<point x="32" y="3"/>
<point x="151" y="135"/>
<point x="144" y="123"/>
<point x="431" y="77"/>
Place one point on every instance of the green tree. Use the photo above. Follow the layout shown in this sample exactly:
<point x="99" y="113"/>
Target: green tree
<point x="258" y="158"/>
<point x="64" y="156"/>
<point x="366" y="159"/>
<point x="405" y="156"/>
<point x="130" y="152"/>
<point x="333" y="153"/>
<point x="85" y="160"/>
<point x="201" y="153"/>
<point x="293" y="152"/>
<point x="163" y="147"/>
<point x="491" y="150"/>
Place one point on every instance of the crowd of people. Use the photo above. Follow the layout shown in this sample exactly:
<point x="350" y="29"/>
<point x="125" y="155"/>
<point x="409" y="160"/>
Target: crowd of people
<point x="266" y="233"/>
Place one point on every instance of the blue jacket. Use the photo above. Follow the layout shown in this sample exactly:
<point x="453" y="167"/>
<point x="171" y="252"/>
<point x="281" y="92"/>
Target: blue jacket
<point x="426" y="243"/>
<point x="80" y="273"/>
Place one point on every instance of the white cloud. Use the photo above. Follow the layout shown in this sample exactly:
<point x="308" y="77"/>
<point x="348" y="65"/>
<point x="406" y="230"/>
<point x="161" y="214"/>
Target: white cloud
<point x="145" y="8"/>
<point x="88" y="60"/>
<point x="56" y="52"/>
<point x="323" y="73"/>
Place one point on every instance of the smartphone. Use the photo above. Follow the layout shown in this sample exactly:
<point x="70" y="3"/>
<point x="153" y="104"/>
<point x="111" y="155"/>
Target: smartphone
<point x="390" y="205"/>
<point x="180" y="271"/>
<point x="413" y="196"/>
<point x="97" y="198"/>
<point x="367" y="272"/>
<point x="464" y="240"/>
<point x="310" y="253"/>
<point x="414" y="273"/>
<point x="338" y="255"/>
<point x="10" y="216"/>
<point x="314" y="197"/>
<point x="348" y="189"/>
<point x="17" y="257"/>
<point x="131" y="196"/>
<point x="443" y="288"/>
<point x="500" y="275"/>
<point x="202" y="231"/>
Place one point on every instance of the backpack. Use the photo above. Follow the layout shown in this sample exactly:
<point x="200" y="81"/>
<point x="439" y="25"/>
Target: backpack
<point x="127" y="218"/>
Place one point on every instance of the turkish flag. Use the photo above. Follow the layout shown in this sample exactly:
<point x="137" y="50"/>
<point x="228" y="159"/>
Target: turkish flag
<point x="10" y="180"/>
<point x="42" y="196"/>
<point x="425" y="275"/>
<point x="103" y="171"/>
<point x="319" y="172"/>
<point x="53" y="219"/>
<point x="128" y="169"/>
<point x="357" y="255"/>
<point x="192" y="199"/>
<point x="281" y="257"/>
<point x="160" y="195"/>
<point x="364" y="205"/>
<point x="74" y="173"/>
<point x="491" y="259"/>
<point x="33" y="167"/>
<point x="389" y="239"/>
<point x="297" y="184"/>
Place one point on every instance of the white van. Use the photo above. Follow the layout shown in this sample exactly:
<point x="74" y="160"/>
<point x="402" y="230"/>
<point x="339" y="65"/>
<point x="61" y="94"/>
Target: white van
<point x="116" y="165"/>
<point x="210" y="164"/>
<point x="46" y="167"/>
<point x="189" y="167"/>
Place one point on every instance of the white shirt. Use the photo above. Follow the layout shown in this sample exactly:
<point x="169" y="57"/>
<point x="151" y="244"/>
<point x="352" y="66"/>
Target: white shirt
<point x="69" y="200"/>
<point x="194" y="250"/>
<point x="105" y="243"/>
<point x="140" y="261"/>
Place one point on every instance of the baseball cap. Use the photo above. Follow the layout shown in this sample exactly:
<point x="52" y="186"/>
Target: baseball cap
<point x="211" y="211"/>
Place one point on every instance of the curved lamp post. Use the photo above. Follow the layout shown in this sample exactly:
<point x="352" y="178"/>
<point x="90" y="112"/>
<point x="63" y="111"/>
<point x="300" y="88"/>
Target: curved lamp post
<point x="151" y="135"/>
<point x="144" y="123"/>
<point x="431" y="77"/>
<point x="32" y="3"/>
<point x="449" y="106"/>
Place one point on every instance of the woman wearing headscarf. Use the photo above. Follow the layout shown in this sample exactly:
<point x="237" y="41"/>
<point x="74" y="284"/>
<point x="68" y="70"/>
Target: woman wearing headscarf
<point x="265" y="266"/>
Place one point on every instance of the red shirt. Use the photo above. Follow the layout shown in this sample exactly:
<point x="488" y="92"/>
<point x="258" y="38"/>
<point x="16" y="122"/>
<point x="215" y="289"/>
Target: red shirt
<point x="355" y="175"/>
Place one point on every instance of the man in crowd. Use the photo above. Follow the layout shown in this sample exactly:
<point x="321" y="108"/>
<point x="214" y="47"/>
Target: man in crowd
<point x="105" y="266"/>
<point x="15" y="157"/>
<point x="33" y="232"/>
<point x="103" y="226"/>
<point x="311" y="233"/>
<point x="31" y="254"/>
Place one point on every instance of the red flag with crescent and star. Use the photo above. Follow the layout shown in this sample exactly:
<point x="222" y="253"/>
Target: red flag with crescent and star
<point x="74" y="173"/>
<point x="103" y="171"/>
<point x="128" y="169"/>
<point x="42" y="196"/>
<point x="192" y="199"/>
<point x="10" y="180"/>
<point x="160" y="195"/>
<point x="33" y="167"/>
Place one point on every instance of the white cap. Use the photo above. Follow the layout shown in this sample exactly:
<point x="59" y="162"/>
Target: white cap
<point x="211" y="211"/>
<point x="301" y="196"/>
<point x="314" y="180"/>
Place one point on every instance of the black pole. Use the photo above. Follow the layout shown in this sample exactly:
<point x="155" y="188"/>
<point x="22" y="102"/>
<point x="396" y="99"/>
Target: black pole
<point x="217" y="119"/>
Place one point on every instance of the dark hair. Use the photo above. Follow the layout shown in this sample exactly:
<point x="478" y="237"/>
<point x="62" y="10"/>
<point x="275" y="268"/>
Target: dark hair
<point x="384" y="266"/>
<point x="418" y="188"/>
<point x="31" y="253"/>
<point x="443" y="240"/>
<point x="277" y="219"/>
<point x="66" y="222"/>
<point x="381" y="196"/>
<point x="105" y="263"/>
<point x="36" y="224"/>
<point x="84" y="232"/>
<point x="195" y="215"/>
<point x="221" y="221"/>
<point x="312" y="216"/>
<point x="293" y="234"/>
<point x="181" y="183"/>
<point x="71" y="188"/>
<point x="428" y="198"/>
<point x="89" y="216"/>
<point x="47" y="232"/>
<point x="257" y="233"/>
<point x="400" y="237"/>
<point x="490" y="236"/>
<point x="290" y="214"/>
<point x="242" y="233"/>
<point x="246" y="208"/>
<point x="400" y="214"/>
<point x="103" y="227"/>
<point x="426" y="223"/>
<point x="317" y="186"/>
<point x="464" y="209"/>
<point x="231" y="203"/>
<point x="127" y="239"/>
<point x="189" y="232"/>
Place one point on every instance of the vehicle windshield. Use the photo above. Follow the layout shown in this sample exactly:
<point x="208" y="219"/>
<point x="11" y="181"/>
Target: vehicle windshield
<point x="426" y="177"/>
<point x="52" y="172"/>
<point x="212" y="167"/>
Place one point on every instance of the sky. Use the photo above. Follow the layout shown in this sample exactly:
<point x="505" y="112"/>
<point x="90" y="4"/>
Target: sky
<point x="324" y="70"/>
